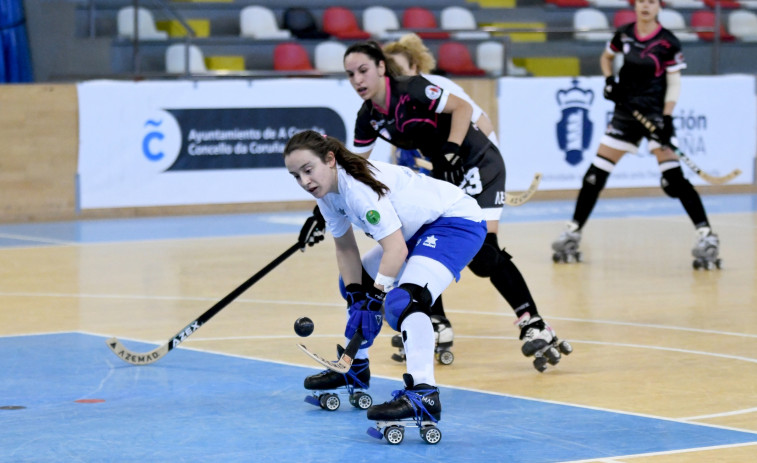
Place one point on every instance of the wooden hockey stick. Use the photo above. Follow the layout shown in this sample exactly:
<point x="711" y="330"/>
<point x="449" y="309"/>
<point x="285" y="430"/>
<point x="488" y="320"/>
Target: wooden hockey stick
<point x="715" y="180"/>
<point x="343" y="364"/>
<point x="136" y="358"/>
<point x="510" y="199"/>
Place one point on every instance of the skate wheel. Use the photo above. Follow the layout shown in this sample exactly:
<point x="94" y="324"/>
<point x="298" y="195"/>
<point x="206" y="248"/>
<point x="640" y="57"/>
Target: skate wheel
<point x="397" y="341"/>
<point x="579" y="257"/>
<point x="540" y="364"/>
<point x="373" y="432"/>
<point x="556" y="258"/>
<point x="312" y="400"/>
<point x="718" y="263"/>
<point x="565" y="347"/>
<point x="398" y="358"/>
<point x="446" y="357"/>
<point x="329" y="402"/>
<point x="697" y="265"/>
<point x="394" y="434"/>
<point x="361" y="400"/>
<point x="552" y="355"/>
<point x="431" y="434"/>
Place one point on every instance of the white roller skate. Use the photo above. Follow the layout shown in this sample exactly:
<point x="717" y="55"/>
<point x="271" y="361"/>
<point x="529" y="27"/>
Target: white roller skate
<point x="706" y="249"/>
<point x="327" y="385"/>
<point x="416" y="406"/>
<point x="443" y="337"/>
<point x="540" y="341"/>
<point x="565" y="247"/>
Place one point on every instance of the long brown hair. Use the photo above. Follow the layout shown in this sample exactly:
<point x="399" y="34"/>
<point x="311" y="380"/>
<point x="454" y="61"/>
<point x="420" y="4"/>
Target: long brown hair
<point x="355" y="165"/>
<point x="373" y="50"/>
<point x="416" y="52"/>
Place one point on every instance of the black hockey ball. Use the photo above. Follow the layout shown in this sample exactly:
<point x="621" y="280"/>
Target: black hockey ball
<point x="304" y="326"/>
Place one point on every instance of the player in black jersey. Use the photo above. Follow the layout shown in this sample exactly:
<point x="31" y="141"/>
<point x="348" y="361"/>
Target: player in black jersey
<point x="410" y="112"/>
<point x="650" y="82"/>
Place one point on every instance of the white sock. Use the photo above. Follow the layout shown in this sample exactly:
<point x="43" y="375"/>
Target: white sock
<point x="419" y="348"/>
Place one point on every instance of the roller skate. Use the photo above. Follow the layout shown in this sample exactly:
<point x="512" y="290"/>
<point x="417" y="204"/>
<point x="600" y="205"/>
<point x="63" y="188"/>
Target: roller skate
<point x="706" y="249"/>
<point x="540" y="341"/>
<point x="416" y="406"/>
<point x="565" y="247"/>
<point x="443" y="336"/>
<point x="328" y="385"/>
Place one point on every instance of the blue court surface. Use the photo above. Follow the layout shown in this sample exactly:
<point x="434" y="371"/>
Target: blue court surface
<point x="82" y="403"/>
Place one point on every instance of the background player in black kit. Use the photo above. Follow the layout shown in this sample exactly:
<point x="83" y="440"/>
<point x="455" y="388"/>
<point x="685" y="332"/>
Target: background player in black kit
<point x="412" y="113"/>
<point x="650" y="82"/>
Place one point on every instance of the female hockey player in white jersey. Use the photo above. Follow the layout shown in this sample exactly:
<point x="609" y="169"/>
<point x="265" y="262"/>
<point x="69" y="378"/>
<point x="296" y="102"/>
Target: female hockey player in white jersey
<point x="428" y="230"/>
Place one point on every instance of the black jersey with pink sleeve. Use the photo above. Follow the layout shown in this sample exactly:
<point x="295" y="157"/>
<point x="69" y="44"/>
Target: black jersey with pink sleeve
<point x="645" y="63"/>
<point x="412" y="119"/>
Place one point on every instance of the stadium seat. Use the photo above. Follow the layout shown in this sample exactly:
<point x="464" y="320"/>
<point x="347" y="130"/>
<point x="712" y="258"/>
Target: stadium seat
<point x="259" y="22"/>
<point x="146" y="24"/>
<point x="455" y="58"/>
<point x="377" y="20"/>
<point x="706" y="18"/>
<point x="291" y="56"/>
<point x="175" y="59"/>
<point x="302" y="24"/>
<point x="342" y="24"/>
<point x="742" y="24"/>
<point x="569" y="3"/>
<point x="614" y="4"/>
<point x="461" y="20"/>
<point x="724" y="4"/>
<point x="749" y="4"/>
<point x="623" y="17"/>
<point x="684" y="4"/>
<point x="675" y="22"/>
<point x="422" y="18"/>
<point x="329" y="56"/>
<point x="490" y="56"/>
<point x="591" y="25"/>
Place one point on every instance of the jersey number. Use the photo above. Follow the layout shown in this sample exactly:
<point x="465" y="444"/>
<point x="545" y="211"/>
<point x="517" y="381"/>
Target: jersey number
<point x="472" y="184"/>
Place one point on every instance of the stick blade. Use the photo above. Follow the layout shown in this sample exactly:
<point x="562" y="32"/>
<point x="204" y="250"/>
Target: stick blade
<point x="340" y="366"/>
<point x="136" y="358"/>
<point x="721" y="180"/>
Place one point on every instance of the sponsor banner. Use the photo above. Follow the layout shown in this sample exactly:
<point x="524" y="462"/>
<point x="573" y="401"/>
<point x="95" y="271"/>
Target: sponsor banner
<point x="214" y="142"/>
<point x="554" y="125"/>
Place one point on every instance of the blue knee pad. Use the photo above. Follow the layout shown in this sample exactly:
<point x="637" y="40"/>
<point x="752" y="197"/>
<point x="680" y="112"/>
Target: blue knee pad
<point x="404" y="300"/>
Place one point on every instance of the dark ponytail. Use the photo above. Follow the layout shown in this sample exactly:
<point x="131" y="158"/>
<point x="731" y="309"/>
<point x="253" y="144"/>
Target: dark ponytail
<point x="355" y="165"/>
<point x="373" y="50"/>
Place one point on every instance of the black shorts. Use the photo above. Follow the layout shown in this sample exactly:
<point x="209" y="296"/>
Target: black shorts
<point x="625" y="127"/>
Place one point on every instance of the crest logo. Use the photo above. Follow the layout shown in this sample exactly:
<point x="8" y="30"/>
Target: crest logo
<point x="373" y="217"/>
<point x="575" y="128"/>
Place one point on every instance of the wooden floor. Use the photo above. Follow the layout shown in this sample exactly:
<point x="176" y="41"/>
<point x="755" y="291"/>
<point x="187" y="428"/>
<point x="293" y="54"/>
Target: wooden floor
<point x="651" y="335"/>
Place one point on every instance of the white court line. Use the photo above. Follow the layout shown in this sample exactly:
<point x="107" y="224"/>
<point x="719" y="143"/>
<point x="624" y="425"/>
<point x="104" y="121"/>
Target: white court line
<point x="34" y="238"/>
<point x="718" y="415"/>
<point x="669" y="452"/>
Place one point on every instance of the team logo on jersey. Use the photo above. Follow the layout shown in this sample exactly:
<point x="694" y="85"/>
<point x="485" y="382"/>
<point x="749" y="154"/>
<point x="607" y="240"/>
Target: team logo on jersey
<point x="575" y="128"/>
<point x="373" y="217"/>
<point x="433" y="92"/>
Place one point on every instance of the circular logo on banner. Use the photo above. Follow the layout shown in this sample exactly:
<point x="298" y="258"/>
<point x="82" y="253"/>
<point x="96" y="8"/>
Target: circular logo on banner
<point x="373" y="217"/>
<point x="433" y="92"/>
<point x="161" y="140"/>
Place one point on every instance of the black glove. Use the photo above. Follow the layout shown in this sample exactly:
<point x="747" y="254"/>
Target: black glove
<point x="611" y="89"/>
<point x="313" y="231"/>
<point x="449" y="166"/>
<point x="666" y="131"/>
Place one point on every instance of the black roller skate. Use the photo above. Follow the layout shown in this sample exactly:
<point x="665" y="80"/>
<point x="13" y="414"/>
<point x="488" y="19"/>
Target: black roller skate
<point x="565" y="247"/>
<point x="706" y="250"/>
<point x="443" y="336"/>
<point x="540" y="341"/>
<point x="416" y="406"/>
<point x="328" y="384"/>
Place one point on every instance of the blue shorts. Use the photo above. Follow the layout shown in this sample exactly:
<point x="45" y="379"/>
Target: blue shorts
<point x="451" y="241"/>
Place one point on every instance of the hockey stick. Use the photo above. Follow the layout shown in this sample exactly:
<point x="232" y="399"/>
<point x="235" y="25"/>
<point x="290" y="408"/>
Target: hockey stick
<point x="510" y="199"/>
<point x="136" y="358"/>
<point x="707" y="177"/>
<point x="345" y="360"/>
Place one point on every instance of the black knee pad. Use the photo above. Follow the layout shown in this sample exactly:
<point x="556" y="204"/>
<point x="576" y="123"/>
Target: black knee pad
<point x="673" y="183"/>
<point x="595" y="178"/>
<point x="488" y="258"/>
<point x="404" y="300"/>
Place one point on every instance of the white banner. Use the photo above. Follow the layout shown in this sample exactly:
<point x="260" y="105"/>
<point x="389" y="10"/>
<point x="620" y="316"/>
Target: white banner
<point x="207" y="142"/>
<point x="553" y="126"/>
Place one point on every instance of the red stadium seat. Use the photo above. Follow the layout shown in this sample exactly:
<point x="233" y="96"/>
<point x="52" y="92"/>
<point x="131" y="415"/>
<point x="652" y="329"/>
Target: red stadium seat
<point x="455" y="58"/>
<point x="341" y="23"/>
<point x="706" y="18"/>
<point x="422" y="18"/>
<point x="623" y="17"/>
<point x="725" y="4"/>
<point x="569" y="3"/>
<point x="291" y="56"/>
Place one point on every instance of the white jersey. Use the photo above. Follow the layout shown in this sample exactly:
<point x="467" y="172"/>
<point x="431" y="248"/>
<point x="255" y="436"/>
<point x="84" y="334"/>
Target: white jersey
<point x="453" y="88"/>
<point x="413" y="200"/>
